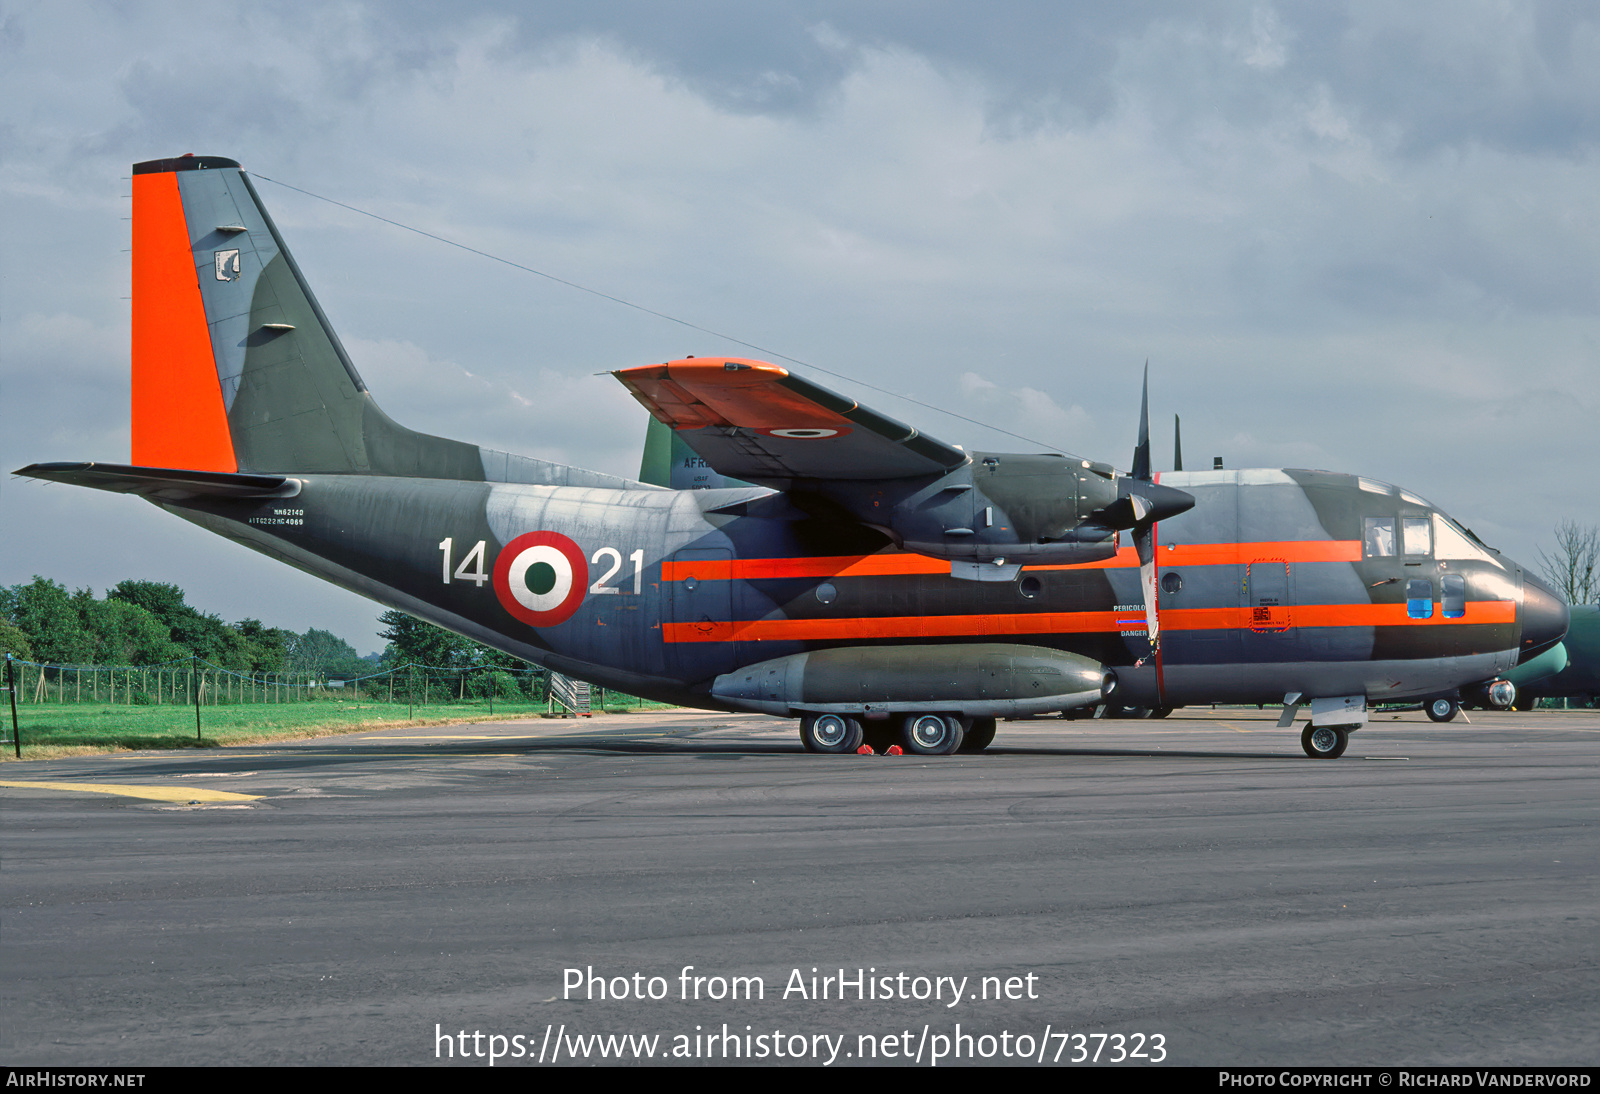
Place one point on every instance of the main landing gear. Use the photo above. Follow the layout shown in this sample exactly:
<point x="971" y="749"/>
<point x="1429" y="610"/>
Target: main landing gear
<point x="1324" y="742"/>
<point x="922" y="734"/>
<point x="830" y="733"/>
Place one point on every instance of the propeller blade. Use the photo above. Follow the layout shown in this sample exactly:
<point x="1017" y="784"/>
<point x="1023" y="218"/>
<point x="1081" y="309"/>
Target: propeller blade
<point x="1144" y="541"/>
<point x="1141" y="454"/>
<point x="1177" y="443"/>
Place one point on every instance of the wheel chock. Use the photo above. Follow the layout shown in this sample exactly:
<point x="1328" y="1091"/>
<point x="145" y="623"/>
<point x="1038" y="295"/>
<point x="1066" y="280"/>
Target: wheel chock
<point x="895" y="750"/>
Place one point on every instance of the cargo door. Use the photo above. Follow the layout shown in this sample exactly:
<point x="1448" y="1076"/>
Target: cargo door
<point x="1268" y="632"/>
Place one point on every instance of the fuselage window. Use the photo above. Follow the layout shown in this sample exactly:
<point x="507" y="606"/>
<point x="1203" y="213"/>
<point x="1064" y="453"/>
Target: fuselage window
<point x="1418" y="535"/>
<point x="1379" y="537"/>
<point x="1453" y="596"/>
<point x="1419" y="599"/>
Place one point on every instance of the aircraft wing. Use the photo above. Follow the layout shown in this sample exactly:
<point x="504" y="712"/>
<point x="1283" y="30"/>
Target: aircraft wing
<point x="754" y="421"/>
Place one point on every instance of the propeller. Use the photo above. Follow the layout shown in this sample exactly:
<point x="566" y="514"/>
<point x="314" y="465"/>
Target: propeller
<point x="1148" y="503"/>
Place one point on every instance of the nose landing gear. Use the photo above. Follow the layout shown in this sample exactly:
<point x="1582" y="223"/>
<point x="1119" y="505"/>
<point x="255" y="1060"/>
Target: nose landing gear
<point x="1324" y="742"/>
<point x="1442" y="710"/>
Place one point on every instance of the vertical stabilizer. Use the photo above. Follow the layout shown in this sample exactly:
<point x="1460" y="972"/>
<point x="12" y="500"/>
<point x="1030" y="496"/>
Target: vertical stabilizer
<point x="235" y="367"/>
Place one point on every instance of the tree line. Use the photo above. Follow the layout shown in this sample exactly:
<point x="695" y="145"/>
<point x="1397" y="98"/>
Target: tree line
<point x="147" y="623"/>
<point x="144" y="623"/>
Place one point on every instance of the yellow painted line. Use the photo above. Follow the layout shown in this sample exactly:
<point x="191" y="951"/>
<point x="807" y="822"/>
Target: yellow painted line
<point x="453" y="737"/>
<point x="154" y="793"/>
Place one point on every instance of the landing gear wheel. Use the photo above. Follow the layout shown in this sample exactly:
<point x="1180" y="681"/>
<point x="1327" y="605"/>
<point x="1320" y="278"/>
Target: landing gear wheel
<point x="1324" y="742"/>
<point x="1442" y="710"/>
<point x="830" y="733"/>
<point x="979" y="736"/>
<point x="930" y="734"/>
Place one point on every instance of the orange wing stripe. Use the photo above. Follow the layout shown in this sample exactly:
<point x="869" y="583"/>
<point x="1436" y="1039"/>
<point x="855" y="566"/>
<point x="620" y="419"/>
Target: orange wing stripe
<point x="692" y="393"/>
<point x="178" y="416"/>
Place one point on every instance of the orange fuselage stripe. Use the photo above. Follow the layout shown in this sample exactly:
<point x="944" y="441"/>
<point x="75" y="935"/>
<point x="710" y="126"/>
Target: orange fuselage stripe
<point x="896" y="563"/>
<point x="178" y="416"/>
<point x="1088" y="622"/>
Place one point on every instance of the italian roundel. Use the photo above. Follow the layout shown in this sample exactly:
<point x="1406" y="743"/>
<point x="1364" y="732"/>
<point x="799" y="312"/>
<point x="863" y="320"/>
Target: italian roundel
<point x="540" y="578"/>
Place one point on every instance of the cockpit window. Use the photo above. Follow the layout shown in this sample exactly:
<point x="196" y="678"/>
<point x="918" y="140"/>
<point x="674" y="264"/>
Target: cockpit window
<point x="1450" y="541"/>
<point x="1378" y="537"/>
<point x="1418" y="535"/>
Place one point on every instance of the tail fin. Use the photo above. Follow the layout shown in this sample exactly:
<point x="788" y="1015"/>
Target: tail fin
<point x="235" y="367"/>
<point x="668" y="461"/>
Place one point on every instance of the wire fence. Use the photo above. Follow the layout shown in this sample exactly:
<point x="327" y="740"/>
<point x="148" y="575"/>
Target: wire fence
<point x="34" y="688"/>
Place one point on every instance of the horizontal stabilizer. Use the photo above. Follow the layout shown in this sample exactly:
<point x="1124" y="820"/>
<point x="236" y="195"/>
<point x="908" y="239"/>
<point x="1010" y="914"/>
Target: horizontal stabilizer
<point x="163" y="482"/>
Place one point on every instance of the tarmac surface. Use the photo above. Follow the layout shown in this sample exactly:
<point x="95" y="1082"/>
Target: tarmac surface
<point x="1196" y="887"/>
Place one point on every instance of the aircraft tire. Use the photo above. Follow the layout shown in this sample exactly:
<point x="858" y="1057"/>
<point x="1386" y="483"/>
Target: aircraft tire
<point x="1160" y="712"/>
<point x="931" y="734"/>
<point x="1441" y="710"/>
<point x="979" y="735"/>
<point x="1324" y="742"/>
<point x="836" y="733"/>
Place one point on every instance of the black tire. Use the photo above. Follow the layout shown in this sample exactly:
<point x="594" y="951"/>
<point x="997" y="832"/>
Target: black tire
<point x="979" y="735"/>
<point x="1324" y="742"/>
<point x="834" y="733"/>
<point x="1441" y="710"/>
<point x="1160" y="712"/>
<point x="930" y="734"/>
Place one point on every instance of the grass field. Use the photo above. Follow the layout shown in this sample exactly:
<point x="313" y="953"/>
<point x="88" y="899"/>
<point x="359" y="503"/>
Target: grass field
<point x="50" y="730"/>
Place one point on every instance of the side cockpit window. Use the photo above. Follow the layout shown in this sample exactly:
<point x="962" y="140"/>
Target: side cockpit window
<point x="1378" y="537"/>
<point x="1419" y="599"/>
<point x="1417" y="536"/>
<point x="1453" y="595"/>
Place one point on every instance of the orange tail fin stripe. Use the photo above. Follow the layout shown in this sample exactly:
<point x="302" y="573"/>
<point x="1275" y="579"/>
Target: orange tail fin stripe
<point x="179" y="419"/>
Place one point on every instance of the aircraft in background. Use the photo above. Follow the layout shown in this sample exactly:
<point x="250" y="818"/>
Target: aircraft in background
<point x="1570" y="670"/>
<point x="860" y="576"/>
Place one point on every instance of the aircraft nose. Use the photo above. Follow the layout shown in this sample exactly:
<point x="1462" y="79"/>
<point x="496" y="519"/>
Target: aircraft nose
<point x="1544" y="618"/>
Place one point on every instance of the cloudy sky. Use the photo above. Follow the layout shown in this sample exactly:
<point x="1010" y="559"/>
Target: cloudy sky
<point x="1355" y="236"/>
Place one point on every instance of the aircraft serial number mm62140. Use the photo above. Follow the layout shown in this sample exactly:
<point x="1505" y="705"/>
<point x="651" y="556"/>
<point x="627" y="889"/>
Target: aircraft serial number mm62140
<point x="793" y="552"/>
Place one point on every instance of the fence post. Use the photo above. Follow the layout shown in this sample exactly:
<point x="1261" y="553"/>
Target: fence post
<point x="195" y="688"/>
<point x="11" y="686"/>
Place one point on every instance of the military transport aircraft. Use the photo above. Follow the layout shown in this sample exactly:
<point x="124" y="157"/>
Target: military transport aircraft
<point x="862" y="576"/>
